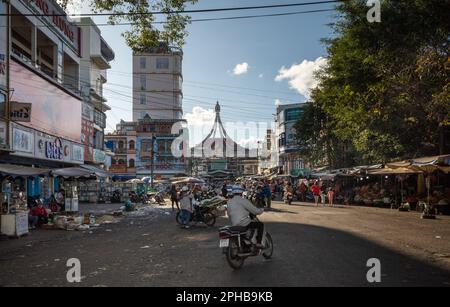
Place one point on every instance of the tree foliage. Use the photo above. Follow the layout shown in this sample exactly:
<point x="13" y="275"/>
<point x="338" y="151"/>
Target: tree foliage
<point x="385" y="89"/>
<point x="143" y="32"/>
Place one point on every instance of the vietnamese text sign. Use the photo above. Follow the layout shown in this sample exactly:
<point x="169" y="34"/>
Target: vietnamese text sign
<point x="20" y="112"/>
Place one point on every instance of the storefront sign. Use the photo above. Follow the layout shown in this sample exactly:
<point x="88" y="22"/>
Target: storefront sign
<point x="20" y="112"/>
<point x="60" y="22"/>
<point x="22" y="140"/>
<point x="88" y="112"/>
<point x="99" y="156"/>
<point x="54" y="149"/>
<point x="78" y="153"/>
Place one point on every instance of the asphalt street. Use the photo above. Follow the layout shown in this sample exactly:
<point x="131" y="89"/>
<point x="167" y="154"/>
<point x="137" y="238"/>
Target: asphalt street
<point x="312" y="247"/>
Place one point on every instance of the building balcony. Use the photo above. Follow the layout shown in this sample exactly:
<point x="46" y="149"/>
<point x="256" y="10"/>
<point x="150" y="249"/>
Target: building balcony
<point x="118" y="168"/>
<point x="120" y="151"/>
<point x="131" y="151"/>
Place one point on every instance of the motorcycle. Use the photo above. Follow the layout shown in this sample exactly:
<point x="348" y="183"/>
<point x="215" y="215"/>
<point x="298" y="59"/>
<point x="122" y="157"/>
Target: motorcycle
<point x="202" y="214"/>
<point x="237" y="244"/>
<point x="159" y="198"/>
<point x="116" y="196"/>
<point x="288" y="198"/>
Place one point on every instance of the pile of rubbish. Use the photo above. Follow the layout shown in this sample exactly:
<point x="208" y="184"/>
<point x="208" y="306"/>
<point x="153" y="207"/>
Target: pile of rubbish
<point x="80" y="223"/>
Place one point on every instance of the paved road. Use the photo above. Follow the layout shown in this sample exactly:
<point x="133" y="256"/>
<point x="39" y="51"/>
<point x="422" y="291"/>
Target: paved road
<point x="313" y="247"/>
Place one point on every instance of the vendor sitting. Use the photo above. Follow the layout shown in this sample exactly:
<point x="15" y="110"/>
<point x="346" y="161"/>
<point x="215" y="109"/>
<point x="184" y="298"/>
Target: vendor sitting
<point x="37" y="215"/>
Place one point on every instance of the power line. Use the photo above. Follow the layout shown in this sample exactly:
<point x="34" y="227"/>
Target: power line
<point x="194" y="20"/>
<point x="182" y="11"/>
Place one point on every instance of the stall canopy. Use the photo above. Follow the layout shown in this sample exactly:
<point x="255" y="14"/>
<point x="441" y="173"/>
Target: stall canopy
<point x="430" y="164"/>
<point x="22" y="171"/>
<point x="393" y="171"/>
<point x="75" y="172"/>
<point x="96" y="170"/>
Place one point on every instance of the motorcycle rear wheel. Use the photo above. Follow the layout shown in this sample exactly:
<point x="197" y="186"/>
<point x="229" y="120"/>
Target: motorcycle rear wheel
<point x="234" y="261"/>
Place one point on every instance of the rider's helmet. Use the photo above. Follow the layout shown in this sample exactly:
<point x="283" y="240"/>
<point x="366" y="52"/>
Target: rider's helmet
<point x="237" y="190"/>
<point x="185" y="189"/>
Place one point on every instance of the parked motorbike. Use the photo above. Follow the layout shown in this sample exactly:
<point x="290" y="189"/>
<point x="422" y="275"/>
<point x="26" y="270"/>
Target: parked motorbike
<point x="202" y="214"/>
<point x="116" y="196"/>
<point x="237" y="244"/>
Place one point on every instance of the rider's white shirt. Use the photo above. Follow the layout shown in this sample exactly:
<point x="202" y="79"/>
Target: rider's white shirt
<point x="238" y="210"/>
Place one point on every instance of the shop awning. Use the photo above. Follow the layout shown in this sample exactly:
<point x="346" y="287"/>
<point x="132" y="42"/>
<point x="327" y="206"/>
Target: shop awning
<point x="393" y="171"/>
<point x="98" y="171"/>
<point x="75" y="172"/>
<point x="22" y="171"/>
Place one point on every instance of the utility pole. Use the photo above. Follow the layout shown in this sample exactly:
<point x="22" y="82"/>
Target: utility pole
<point x="153" y="162"/>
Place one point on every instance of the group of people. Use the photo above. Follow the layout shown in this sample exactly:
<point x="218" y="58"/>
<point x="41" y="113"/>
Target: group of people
<point x="38" y="214"/>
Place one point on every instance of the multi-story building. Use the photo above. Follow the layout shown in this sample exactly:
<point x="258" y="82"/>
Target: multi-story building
<point x="158" y="83"/>
<point x="290" y="159"/>
<point x="42" y="57"/>
<point x="122" y="143"/>
<point x="95" y="61"/>
<point x="144" y="148"/>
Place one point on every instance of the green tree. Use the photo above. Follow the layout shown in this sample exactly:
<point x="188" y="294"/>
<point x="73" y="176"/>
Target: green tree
<point x="144" y="33"/>
<point x="386" y="86"/>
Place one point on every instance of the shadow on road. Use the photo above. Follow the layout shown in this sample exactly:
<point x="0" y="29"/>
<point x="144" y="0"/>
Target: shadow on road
<point x="306" y="255"/>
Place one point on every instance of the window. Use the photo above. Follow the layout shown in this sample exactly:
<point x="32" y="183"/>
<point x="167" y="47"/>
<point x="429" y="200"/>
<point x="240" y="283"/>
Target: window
<point x="100" y="119"/>
<point x="143" y="114"/>
<point x="143" y="82"/>
<point x="143" y="62"/>
<point x="2" y="105"/>
<point x="293" y="114"/>
<point x="131" y="145"/>
<point x="131" y="163"/>
<point x="162" y="63"/>
<point x="121" y="144"/>
<point x="143" y="99"/>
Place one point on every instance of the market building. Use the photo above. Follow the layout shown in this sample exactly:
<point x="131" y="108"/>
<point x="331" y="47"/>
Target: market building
<point x="290" y="160"/>
<point x="218" y="155"/>
<point x="52" y="110"/>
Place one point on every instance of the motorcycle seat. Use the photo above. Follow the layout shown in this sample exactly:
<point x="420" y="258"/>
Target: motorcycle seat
<point x="238" y="229"/>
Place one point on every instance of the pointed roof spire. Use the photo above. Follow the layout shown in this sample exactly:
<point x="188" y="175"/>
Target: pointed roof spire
<point x="217" y="107"/>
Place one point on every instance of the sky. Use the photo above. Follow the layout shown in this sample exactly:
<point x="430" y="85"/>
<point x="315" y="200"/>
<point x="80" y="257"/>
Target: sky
<point x="247" y="65"/>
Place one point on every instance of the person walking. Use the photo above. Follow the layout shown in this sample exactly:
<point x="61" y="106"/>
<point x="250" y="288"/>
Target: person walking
<point x="315" y="189"/>
<point x="174" y="197"/>
<point x="302" y="188"/>
<point x="187" y="209"/>
<point x="267" y="194"/>
<point x="330" y="196"/>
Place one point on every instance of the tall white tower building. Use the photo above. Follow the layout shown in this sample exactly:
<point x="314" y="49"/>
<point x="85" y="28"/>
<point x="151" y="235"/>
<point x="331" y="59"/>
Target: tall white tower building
<point x="157" y="83"/>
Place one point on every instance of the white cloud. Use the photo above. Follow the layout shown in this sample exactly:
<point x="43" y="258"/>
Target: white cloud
<point x="277" y="102"/>
<point x="200" y="122"/>
<point x="240" y="69"/>
<point x="261" y="76"/>
<point x="301" y="76"/>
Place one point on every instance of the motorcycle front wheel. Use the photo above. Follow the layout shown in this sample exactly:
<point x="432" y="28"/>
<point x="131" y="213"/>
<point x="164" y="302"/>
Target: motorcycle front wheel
<point x="178" y="218"/>
<point x="268" y="246"/>
<point x="234" y="261"/>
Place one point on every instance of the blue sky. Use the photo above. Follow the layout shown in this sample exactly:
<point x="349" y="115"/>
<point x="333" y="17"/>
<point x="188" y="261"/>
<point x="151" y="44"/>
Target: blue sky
<point x="212" y="51"/>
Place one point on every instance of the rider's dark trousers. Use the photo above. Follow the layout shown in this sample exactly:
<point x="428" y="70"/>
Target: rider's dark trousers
<point x="259" y="230"/>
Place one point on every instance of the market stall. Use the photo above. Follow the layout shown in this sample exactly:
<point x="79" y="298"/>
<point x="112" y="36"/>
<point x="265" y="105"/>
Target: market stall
<point x="14" y="206"/>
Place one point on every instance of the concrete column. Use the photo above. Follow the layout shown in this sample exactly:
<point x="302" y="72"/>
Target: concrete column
<point x="34" y="54"/>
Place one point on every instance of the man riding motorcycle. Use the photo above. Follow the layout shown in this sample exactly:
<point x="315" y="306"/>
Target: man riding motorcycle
<point x="239" y="210"/>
